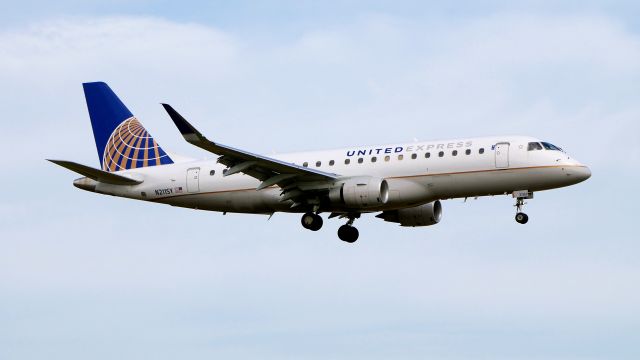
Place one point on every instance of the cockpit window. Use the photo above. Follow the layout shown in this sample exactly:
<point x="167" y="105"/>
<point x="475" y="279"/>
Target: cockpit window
<point x="550" y="146"/>
<point x="534" y="146"/>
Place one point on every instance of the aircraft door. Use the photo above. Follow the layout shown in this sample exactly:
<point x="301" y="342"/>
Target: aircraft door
<point x="193" y="180"/>
<point x="502" y="155"/>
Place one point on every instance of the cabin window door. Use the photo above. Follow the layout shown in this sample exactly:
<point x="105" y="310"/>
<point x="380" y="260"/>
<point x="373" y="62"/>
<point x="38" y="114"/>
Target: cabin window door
<point x="502" y="155"/>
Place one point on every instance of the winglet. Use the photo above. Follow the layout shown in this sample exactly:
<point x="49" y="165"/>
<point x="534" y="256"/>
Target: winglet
<point x="187" y="130"/>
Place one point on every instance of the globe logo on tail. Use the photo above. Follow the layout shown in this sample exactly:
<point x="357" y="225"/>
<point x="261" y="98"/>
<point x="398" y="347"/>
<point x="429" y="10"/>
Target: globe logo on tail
<point x="130" y="146"/>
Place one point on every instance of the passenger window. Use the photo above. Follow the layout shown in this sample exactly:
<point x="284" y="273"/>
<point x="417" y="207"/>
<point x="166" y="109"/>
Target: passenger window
<point x="400" y="157"/>
<point x="481" y="151"/>
<point x="534" y="146"/>
<point x="305" y="164"/>
<point x="468" y="152"/>
<point x="347" y="161"/>
<point x="387" y="158"/>
<point x="441" y="153"/>
<point x="212" y="172"/>
<point x="374" y="159"/>
<point x="360" y="160"/>
<point x="454" y="153"/>
<point x="414" y="156"/>
<point x="318" y="163"/>
<point x="427" y="155"/>
<point x="331" y="162"/>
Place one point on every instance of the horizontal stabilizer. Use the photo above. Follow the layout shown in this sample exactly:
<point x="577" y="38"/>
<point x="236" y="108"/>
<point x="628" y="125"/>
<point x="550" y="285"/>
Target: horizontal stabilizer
<point x="96" y="174"/>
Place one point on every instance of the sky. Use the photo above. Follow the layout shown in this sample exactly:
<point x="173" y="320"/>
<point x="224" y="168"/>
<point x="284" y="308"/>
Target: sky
<point x="90" y="276"/>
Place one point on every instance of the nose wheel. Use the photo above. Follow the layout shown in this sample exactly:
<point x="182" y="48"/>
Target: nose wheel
<point x="522" y="218"/>
<point x="521" y="196"/>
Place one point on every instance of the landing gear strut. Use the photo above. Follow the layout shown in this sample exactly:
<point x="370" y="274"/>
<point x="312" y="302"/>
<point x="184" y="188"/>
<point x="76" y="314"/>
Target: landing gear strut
<point x="347" y="232"/>
<point x="311" y="221"/>
<point x="521" y="196"/>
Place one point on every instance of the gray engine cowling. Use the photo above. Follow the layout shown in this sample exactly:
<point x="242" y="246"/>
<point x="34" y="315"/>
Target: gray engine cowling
<point x="360" y="192"/>
<point x="423" y="215"/>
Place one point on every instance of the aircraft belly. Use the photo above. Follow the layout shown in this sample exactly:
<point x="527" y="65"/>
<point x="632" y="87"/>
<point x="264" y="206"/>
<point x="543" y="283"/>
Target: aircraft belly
<point x="241" y="201"/>
<point x="244" y="201"/>
<point x="497" y="182"/>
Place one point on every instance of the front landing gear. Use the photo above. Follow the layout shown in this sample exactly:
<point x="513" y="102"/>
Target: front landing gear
<point x="311" y="221"/>
<point x="522" y="218"/>
<point x="521" y="196"/>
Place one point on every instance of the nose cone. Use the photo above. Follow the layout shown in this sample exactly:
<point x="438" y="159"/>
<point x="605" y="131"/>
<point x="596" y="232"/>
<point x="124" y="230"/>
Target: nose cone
<point x="581" y="173"/>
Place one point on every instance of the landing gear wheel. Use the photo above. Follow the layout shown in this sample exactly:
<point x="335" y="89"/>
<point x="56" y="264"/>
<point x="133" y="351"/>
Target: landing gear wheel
<point x="348" y="233"/>
<point x="522" y="218"/>
<point x="311" y="221"/>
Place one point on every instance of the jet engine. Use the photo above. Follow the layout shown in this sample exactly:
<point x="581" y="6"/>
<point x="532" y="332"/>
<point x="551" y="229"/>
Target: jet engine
<point x="423" y="215"/>
<point x="360" y="192"/>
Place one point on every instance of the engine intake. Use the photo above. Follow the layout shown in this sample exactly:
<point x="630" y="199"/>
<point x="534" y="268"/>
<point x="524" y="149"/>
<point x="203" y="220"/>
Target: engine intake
<point x="423" y="215"/>
<point x="360" y="192"/>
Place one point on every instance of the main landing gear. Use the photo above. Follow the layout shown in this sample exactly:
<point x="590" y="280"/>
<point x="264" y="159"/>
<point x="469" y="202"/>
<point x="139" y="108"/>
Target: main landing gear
<point x="311" y="221"/>
<point x="347" y="232"/>
<point x="521" y="196"/>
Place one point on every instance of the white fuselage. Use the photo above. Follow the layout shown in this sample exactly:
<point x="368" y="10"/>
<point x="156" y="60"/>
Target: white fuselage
<point x="417" y="173"/>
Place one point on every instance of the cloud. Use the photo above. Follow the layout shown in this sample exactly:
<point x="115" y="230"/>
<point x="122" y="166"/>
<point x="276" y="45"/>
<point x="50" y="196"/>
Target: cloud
<point x="113" y="45"/>
<point x="239" y="282"/>
<point x="541" y="75"/>
<point x="518" y="73"/>
<point x="43" y="65"/>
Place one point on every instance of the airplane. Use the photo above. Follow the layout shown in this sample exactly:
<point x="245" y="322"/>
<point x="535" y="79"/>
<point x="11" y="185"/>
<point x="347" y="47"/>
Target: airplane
<point x="403" y="183"/>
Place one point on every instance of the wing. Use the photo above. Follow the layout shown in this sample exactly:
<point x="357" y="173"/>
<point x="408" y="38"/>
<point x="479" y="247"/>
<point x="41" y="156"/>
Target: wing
<point x="298" y="183"/>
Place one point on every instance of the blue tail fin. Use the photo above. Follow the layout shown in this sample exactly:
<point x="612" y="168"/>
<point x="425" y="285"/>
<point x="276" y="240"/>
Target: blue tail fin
<point x="122" y="141"/>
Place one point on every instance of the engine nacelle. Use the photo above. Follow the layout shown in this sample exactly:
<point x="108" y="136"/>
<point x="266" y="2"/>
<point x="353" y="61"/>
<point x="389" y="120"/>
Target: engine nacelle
<point x="360" y="192"/>
<point x="423" y="215"/>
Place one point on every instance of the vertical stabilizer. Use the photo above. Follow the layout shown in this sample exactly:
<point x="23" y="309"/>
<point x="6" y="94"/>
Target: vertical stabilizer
<point x="121" y="140"/>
